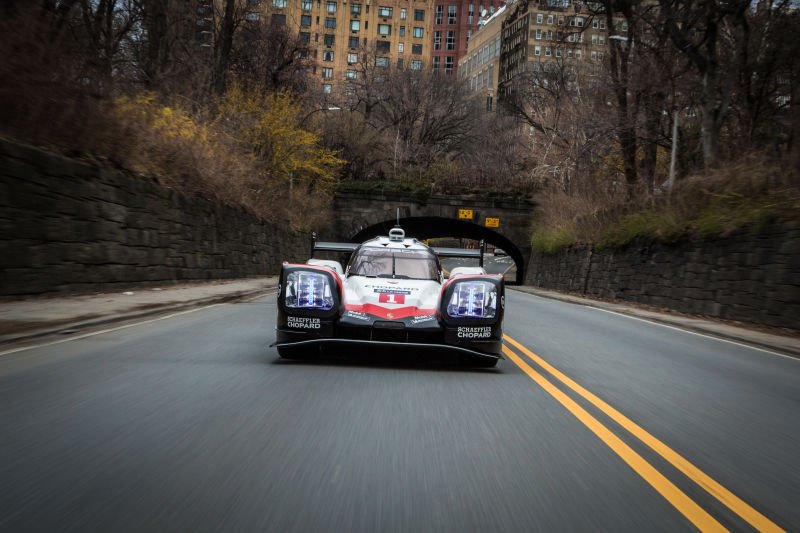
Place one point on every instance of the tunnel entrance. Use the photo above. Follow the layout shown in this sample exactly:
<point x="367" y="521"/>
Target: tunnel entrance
<point x="438" y="227"/>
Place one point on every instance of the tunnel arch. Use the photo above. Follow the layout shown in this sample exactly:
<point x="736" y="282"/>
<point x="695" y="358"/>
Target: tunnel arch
<point x="437" y="227"/>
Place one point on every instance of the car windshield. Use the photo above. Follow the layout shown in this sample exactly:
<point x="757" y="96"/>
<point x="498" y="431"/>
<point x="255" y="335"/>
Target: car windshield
<point x="394" y="263"/>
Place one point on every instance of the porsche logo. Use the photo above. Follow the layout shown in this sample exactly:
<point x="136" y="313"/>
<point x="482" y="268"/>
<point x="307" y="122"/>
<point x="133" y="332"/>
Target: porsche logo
<point x="389" y="315"/>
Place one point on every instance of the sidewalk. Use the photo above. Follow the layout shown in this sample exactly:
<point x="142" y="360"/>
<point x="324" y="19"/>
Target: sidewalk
<point x="53" y="314"/>
<point x="786" y="344"/>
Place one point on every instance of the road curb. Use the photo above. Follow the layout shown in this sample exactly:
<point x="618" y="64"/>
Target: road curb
<point x="624" y="309"/>
<point x="73" y="327"/>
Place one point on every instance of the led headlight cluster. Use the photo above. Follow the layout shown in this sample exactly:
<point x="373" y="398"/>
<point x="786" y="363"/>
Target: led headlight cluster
<point x="308" y="290"/>
<point x="473" y="299"/>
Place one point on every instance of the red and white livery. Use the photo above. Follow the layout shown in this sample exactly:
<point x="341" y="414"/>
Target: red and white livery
<point x="391" y="294"/>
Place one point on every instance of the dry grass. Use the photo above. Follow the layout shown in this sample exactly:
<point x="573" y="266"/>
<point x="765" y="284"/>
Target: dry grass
<point x="742" y="195"/>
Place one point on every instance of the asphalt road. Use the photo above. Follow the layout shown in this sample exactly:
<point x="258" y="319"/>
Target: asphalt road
<point x="192" y="423"/>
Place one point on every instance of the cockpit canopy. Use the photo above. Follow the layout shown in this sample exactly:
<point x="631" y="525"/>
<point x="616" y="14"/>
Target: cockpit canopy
<point x="398" y="263"/>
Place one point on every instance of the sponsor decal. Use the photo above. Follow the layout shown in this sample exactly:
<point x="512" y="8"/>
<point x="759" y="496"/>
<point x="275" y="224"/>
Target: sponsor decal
<point x="481" y="332"/>
<point x="422" y="318"/>
<point x="357" y="315"/>
<point x="391" y="298"/>
<point x="391" y="290"/>
<point x="302" y="322"/>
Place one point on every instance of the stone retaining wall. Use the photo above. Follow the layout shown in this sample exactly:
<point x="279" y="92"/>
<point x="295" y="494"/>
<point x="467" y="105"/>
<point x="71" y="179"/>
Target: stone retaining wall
<point x="747" y="277"/>
<point x="72" y="226"/>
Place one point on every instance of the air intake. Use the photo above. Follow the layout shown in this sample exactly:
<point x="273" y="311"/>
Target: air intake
<point x="397" y="235"/>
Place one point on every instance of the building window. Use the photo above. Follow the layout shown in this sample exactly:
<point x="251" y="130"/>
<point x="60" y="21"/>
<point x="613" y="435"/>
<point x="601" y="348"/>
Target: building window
<point x="329" y="39"/>
<point x="469" y="35"/>
<point x="538" y="35"/>
<point x="352" y="58"/>
<point x="330" y="7"/>
<point x="351" y="74"/>
<point x="539" y="18"/>
<point x="402" y="31"/>
<point x="381" y="61"/>
<point x="416" y="49"/>
<point x="419" y="14"/>
<point x="451" y="14"/>
<point x="305" y="21"/>
<point x="401" y="47"/>
<point x="448" y="64"/>
<point x="418" y="33"/>
<point x="384" y="29"/>
<point x="327" y="88"/>
<point x="547" y="51"/>
<point x="327" y="55"/>
<point x="416" y="64"/>
<point x="558" y="52"/>
<point x="355" y="25"/>
<point x="403" y="13"/>
<point x="278" y="18"/>
<point x="437" y="40"/>
<point x="355" y="9"/>
<point x="383" y="46"/>
<point x="252" y="17"/>
<point x="306" y="5"/>
<point x="280" y="4"/>
<point x="451" y="40"/>
<point x="330" y="23"/>
<point x="439" y="14"/>
<point x="537" y="50"/>
<point x="327" y="73"/>
<point x="436" y="63"/>
<point x="384" y="11"/>
<point x="560" y="21"/>
<point x="352" y="42"/>
<point x="305" y="37"/>
<point x="550" y="19"/>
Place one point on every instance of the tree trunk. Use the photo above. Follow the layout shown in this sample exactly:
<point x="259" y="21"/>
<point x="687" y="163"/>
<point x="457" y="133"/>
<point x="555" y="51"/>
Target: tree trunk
<point x="225" y="46"/>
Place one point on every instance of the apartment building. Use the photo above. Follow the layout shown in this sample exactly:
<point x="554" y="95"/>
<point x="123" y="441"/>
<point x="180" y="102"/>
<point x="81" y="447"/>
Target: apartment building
<point x="454" y="24"/>
<point x="550" y="30"/>
<point x="480" y="66"/>
<point x="345" y="35"/>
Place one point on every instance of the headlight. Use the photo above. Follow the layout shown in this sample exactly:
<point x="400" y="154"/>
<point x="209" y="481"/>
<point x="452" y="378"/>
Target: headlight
<point x="473" y="299"/>
<point x="308" y="290"/>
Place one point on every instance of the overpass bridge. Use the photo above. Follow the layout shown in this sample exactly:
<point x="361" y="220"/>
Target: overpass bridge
<point x="502" y="223"/>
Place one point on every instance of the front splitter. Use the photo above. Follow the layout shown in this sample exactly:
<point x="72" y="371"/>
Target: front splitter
<point x="387" y="344"/>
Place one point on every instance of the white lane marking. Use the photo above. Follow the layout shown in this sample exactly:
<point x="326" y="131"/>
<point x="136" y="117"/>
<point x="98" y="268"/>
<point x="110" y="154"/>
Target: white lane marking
<point x="109" y="330"/>
<point x="668" y="326"/>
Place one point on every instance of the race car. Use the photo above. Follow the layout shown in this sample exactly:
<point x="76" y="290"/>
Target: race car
<point x="391" y="295"/>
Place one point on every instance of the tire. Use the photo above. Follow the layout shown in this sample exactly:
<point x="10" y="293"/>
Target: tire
<point x="480" y="362"/>
<point x="289" y="352"/>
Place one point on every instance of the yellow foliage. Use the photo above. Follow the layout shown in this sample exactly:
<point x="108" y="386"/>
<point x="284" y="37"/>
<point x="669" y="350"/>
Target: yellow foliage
<point x="167" y="121"/>
<point x="270" y="125"/>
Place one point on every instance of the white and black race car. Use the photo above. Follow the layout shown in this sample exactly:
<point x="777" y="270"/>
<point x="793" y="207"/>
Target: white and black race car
<point x="392" y="294"/>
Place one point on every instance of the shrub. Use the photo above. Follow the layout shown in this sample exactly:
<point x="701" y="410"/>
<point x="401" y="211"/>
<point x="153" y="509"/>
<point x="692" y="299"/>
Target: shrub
<point x="552" y="240"/>
<point x="655" y="224"/>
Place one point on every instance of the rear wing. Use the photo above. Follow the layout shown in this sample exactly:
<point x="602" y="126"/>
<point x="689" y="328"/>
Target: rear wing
<point x="465" y="253"/>
<point x="350" y="247"/>
<point x="320" y="246"/>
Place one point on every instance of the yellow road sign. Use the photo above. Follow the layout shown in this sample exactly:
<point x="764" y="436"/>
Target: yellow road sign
<point x="492" y="222"/>
<point x="465" y="214"/>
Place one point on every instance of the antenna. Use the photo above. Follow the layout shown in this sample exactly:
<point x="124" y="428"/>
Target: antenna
<point x="398" y="217"/>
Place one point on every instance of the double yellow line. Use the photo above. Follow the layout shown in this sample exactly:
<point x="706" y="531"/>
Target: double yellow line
<point x="691" y="510"/>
